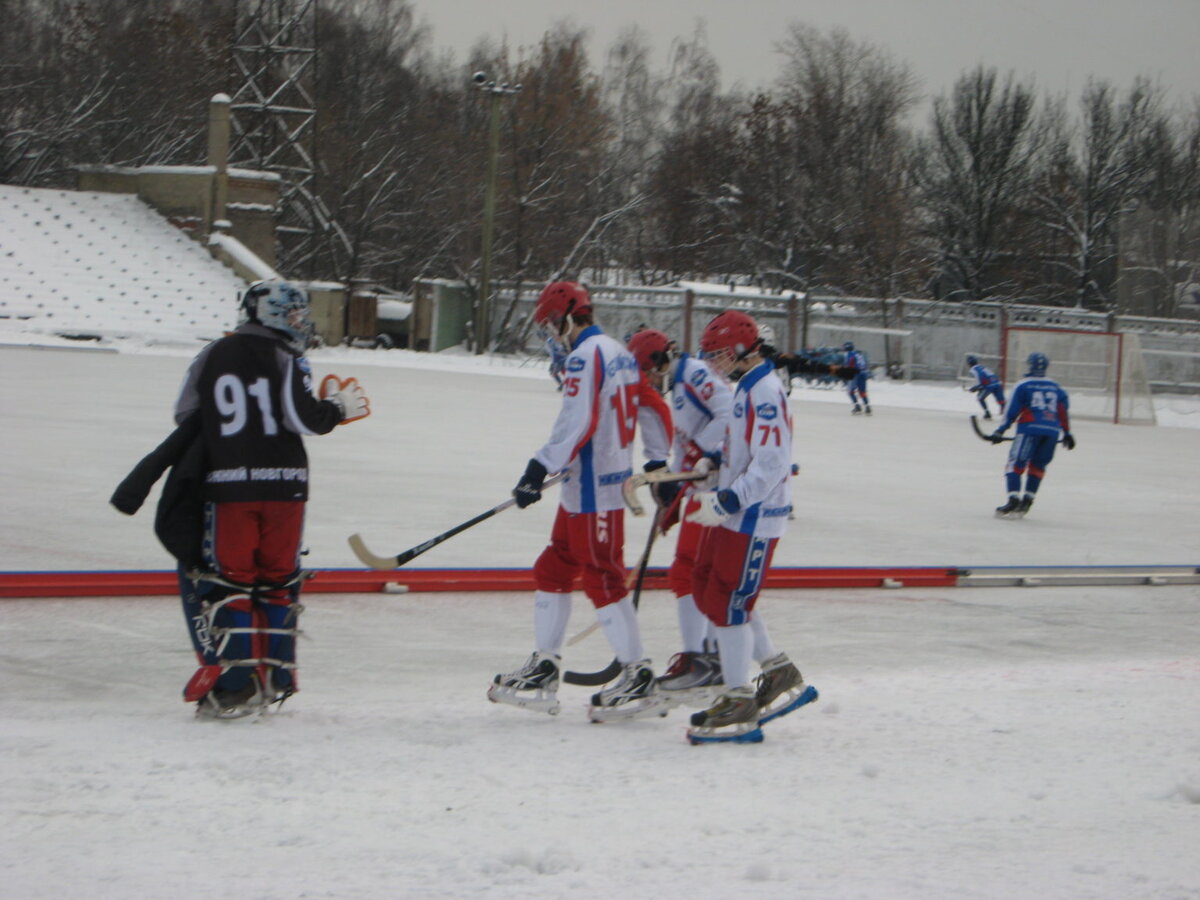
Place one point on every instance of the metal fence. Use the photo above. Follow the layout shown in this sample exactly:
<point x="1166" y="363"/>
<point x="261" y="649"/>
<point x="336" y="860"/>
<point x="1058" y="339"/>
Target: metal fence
<point x="906" y="338"/>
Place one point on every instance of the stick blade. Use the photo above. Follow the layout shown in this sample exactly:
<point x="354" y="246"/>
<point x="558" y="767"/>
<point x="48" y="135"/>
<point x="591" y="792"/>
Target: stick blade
<point x="368" y="558"/>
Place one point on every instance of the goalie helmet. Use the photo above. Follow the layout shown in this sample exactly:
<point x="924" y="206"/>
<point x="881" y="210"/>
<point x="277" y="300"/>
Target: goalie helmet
<point x="1038" y="364"/>
<point x="559" y="300"/>
<point x="733" y="332"/>
<point x="650" y="348"/>
<point x="280" y="306"/>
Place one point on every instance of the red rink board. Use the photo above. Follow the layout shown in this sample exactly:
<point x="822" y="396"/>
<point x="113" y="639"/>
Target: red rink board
<point x="345" y="581"/>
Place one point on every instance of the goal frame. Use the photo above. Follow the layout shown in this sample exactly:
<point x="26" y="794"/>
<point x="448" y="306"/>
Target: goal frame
<point x="1125" y="371"/>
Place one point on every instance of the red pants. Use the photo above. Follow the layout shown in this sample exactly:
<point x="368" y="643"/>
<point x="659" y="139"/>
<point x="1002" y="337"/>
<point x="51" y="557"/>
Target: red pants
<point x="729" y="572"/>
<point x="256" y="542"/>
<point x="679" y="576"/>
<point x="591" y="544"/>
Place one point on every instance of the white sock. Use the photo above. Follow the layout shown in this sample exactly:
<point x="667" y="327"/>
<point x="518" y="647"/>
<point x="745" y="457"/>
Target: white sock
<point x="693" y="624"/>
<point x="764" y="649"/>
<point x="619" y="621"/>
<point x="736" y="643"/>
<point x="551" y="612"/>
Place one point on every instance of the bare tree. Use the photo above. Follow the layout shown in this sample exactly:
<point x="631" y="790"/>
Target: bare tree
<point x="975" y="172"/>
<point x="1092" y="174"/>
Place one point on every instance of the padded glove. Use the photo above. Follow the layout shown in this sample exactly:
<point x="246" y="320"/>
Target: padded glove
<point x="348" y="395"/>
<point x="708" y="465"/>
<point x="715" y="507"/>
<point x="1069" y="441"/>
<point x="996" y="437"/>
<point x="663" y="492"/>
<point x="529" y="488"/>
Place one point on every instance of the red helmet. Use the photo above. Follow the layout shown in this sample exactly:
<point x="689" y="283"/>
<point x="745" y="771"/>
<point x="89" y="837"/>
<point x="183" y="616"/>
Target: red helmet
<point x="559" y="300"/>
<point x="731" y="330"/>
<point x="650" y="348"/>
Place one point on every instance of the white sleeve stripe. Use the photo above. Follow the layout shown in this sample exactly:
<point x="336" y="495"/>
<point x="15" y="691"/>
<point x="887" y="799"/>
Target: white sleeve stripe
<point x="291" y="417"/>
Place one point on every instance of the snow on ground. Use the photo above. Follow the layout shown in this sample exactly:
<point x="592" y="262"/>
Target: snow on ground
<point x="969" y="742"/>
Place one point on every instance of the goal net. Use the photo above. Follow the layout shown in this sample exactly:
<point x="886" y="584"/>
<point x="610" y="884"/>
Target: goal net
<point x="1102" y="371"/>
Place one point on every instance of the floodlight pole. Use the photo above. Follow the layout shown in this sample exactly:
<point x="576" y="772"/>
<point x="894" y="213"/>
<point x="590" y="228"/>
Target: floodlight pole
<point x="494" y="92"/>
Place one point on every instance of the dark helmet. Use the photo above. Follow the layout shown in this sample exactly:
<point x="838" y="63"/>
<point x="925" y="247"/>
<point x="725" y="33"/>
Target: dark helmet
<point x="650" y="348"/>
<point x="848" y="346"/>
<point x="1038" y="364"/>
<point x="972" y="360"/>
<point x="559" y="300"/>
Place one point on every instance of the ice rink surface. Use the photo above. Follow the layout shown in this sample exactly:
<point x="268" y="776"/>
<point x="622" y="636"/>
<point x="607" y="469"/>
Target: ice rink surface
<point x="968" y="743"/>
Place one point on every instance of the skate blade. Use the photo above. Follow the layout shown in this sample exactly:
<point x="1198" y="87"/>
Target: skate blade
<point x="547" y="704"/>
<point x="653" y="705"/>
<point x="792" y="702"/>
<point x="697" y="736"/>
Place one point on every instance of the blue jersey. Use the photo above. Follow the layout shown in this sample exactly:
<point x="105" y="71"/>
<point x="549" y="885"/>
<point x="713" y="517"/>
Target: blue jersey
<point x="985" y="377"/>
<point x="1038" y="406"/>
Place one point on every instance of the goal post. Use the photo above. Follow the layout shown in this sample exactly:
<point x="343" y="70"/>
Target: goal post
<point x="1102" y="371"/>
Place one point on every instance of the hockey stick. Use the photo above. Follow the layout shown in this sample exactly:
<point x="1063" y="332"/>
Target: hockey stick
<point x="609" y="672"/>
<point x="376" y="561"/>
<point x="986" y="437"/>
<point x="658" y="476"/>
<point x="983" y="435"/>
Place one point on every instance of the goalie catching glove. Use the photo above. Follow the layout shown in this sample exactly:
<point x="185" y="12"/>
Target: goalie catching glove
<point x="349" y="397"/>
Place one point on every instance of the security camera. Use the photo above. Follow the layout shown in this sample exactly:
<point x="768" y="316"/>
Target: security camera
<point x="479" y="77"/>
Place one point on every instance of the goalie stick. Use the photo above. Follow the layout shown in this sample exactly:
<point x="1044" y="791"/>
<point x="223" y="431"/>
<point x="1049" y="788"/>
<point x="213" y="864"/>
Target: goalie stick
<point x="375" y="561"/>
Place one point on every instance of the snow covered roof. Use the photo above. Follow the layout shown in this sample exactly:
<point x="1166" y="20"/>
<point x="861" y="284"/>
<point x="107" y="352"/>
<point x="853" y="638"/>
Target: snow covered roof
<point x="90" y="263"/>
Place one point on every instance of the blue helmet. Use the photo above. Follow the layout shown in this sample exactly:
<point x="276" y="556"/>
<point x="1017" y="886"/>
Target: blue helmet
<point x="282" y="307"/>
<point x="1038" y="363"/>
<point x="847" y="346"/>
<point x="972" y="360"/>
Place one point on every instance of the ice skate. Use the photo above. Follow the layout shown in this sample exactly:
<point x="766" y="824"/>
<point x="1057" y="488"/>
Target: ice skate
<point x="533" y="686"/>
<point x="233" y="704"/>
<point x="781" y="689"/>
<point x="1010" y="510"/>
<point x="1026" y="503"/>
<point x="692" y="679"/>
<point x="632" y="695"/>
<point x="856" y="411"/>
<point x="867" y="409"/>
<point x="732" y="718"/>
<point x="987" y="415"/>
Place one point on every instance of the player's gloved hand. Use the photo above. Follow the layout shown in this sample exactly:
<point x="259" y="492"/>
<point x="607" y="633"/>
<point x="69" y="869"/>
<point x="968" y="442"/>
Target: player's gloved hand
<point x="348" y="395"/>
<point x="846" y="373"/>
<point x="976" y="389"/>
<point x="996" y="437"/>
<point x="529" y="488"/>
<point x="709" y="466"/>
<point x="663" y="492"/>
<point x="1069" y="441"/>
<point x="715" y="507"/>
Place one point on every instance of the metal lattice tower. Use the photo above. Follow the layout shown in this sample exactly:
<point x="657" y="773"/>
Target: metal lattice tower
<point x="273" y="127"/>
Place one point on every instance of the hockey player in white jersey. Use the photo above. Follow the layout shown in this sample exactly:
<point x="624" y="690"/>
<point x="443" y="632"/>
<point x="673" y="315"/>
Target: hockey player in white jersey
<point x="592" y="441"/>
<point x="701" y="401"/>
<point x="747" y="513"/>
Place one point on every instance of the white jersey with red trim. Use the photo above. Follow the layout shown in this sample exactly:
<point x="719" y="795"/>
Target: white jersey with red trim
<point x="701" y="403"/>
<point x="592" y="438"/>
<point x="758" y="466"/>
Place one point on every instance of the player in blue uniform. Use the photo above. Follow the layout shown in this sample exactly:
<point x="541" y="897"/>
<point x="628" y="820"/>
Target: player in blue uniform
<point x="1039" y="409"/>
<point x="987" y="384"/>
<point x="857" y="386"/>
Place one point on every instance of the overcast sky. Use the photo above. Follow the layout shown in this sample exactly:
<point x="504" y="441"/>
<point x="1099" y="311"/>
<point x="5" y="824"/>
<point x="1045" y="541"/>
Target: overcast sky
<point x="1059" y="43"/>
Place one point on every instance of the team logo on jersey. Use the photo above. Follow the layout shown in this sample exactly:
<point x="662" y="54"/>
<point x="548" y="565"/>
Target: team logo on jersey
<point x="678" y="401"/>
<point x="698" y="377"/>
<point x="766" y="411"/>
<point x="575" y="364"/>
<point x="739" y="411"/>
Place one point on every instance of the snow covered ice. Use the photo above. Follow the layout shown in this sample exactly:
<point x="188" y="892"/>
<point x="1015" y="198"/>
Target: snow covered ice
<point x="968" y="743"/>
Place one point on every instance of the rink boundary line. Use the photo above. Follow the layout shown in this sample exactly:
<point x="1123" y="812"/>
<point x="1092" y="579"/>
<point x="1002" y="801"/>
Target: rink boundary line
<point x="345" y="581"/>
